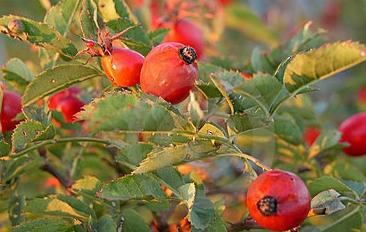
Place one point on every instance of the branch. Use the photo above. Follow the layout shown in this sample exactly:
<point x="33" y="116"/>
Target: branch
<point x="47" y="167"/>
<point x="64" y="140"/>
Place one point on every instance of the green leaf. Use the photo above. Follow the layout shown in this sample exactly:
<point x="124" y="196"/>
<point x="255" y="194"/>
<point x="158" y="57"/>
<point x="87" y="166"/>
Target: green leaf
<point x="78" y="206"/>
<point x="44" y="224"/>
<point x="264" y="62"/>
<point x="158" y="35"/>
<point x="325" y="183"/>
<point x="206" y="70"/>
<point x="118" y="17"/>
<point x="349" y="219"/>
<point x="211" y="129"/>
<point x="56" y="207"/>
<point x="17" y="166"/>
<point x="62" y="15"/>
<point x="27" y="132"/>
<point x="107" y="224"/>
<point x="170" y="177"/>
<point x="276" y="61"/>
<point x="196" y="113"/>
<point x="133" y="222"/>
<point x="341" y="168"/>
<point x="136" y="38"/>
<point x="134" y="153"/>
<point x="217" y="224"/>
<point x="39" y="34"/>
<point x="306" y="39"/>
<point x="242" y="19"/>
<point x="37" y="113"/>
<point x="16" y="205"/>
<point x="89" y="19"/>
<point x="56" y="79"/>
<point x="244" y="122"/>
<point x="326" y="140"/>
<point x="321" y="63"/>
<point x="132" y="113"/>
<point x="327" y="202"/>
<point x="261" y="91"/>
<point x="200" y="209"/>
<point x="287" y="129"/>
<point x="357" y="187"/>
<point x="4" y="148"/>
<point x="88" y="184"/>
<point x="169" y="156"/>
<point x="229" y="79"/>
<point x="15" y="70"/>
<point x="140" y="186"/>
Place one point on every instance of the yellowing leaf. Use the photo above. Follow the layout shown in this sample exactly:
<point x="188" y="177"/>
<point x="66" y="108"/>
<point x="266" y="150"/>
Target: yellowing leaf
<point x="87" y="183"/>
<point x="108" y="10"/>
<point x="175" y="155"/>
<point x="321" y="63"/>
<point x="57" y="205"/>
<point x="53" y="207"/>
<point x="211" y="129"/>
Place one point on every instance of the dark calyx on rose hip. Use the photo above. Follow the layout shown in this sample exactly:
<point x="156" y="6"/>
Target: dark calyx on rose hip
<point x="188" y="54"/>
<point x="267" y="206"/>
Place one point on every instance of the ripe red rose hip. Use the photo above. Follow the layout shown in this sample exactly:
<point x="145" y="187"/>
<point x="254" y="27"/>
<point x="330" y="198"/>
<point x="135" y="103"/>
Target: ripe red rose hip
<point x="186" y="32"/>
<point x="225" y="2"/>
<point x="10" y="108"/>
<point x="353" y="132"/>
<point x="362" y="95"/>
<point x="278" y="200"/>
<point x="170" y="71"/>
<point x="310" y="135"/>
<point x="123" y="67"/>
<point x="67" y="103"/>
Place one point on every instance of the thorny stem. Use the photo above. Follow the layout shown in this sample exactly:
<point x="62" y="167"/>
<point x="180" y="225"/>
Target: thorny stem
<point x="225" y="141"/>
<point x="64" y="140"/>
<point x="248" y="157"/>
<point x="110" y="143"/>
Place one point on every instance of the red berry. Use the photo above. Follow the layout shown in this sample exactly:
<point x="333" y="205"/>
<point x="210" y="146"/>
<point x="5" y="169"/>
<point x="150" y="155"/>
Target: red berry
<point x="246" y="76"/>
<point x="69" y="107"/>
<point x="123" y="67"/>
<point x="170" y="72"/>
<point x="225" y="2"/>
<point x="10" y="108"/>
<point x="331" y="14"/>
<point x="56" y="98"/>
<point x="136" y="3"/>
<point x="67" y="103"/>
<point x="362" y="95"/>
<point x="52" y="182"/>
<point x="278" y="200"/>
<point x="353" y="132"/>
<point x="186" y="32"/>
<point x="155" y="11"/>
<point x="310" y="135"/>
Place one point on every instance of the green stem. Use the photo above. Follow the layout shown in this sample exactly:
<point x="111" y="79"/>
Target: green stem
<point x="352" y="200"/>
<point x="248" y="157"/>
<point x="64" y="140"/>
